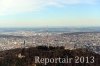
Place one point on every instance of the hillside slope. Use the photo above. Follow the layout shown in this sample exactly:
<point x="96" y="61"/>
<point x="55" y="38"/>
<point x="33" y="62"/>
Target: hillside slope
<point x="26" y="56"/>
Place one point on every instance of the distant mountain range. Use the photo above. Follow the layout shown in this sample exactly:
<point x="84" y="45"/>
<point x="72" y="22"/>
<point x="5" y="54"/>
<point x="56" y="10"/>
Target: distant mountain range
<point x="53" y="29"/>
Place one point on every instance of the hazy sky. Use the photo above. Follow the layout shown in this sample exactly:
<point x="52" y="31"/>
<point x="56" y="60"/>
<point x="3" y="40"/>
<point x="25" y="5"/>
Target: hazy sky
<point x="42" y="13"/>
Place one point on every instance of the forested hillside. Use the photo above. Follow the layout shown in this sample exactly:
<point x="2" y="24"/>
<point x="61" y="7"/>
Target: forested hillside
<point x="26" y="56"/>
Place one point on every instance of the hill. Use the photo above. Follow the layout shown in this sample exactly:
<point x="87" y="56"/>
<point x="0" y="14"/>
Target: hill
<point x="26" y="56"/>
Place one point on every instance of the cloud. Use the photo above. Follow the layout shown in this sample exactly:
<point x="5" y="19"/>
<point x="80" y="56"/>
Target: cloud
<point x="17" y="6"/>
<point x="89" y="1"/>
<point x="8" y="7"/>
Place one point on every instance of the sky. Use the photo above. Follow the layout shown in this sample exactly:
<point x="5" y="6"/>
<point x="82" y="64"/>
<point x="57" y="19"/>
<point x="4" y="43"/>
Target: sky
<point x="49" y="13"/>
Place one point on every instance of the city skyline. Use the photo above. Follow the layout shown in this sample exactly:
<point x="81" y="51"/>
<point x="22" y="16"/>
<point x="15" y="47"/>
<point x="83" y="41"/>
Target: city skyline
<point x="37" y="13"/>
